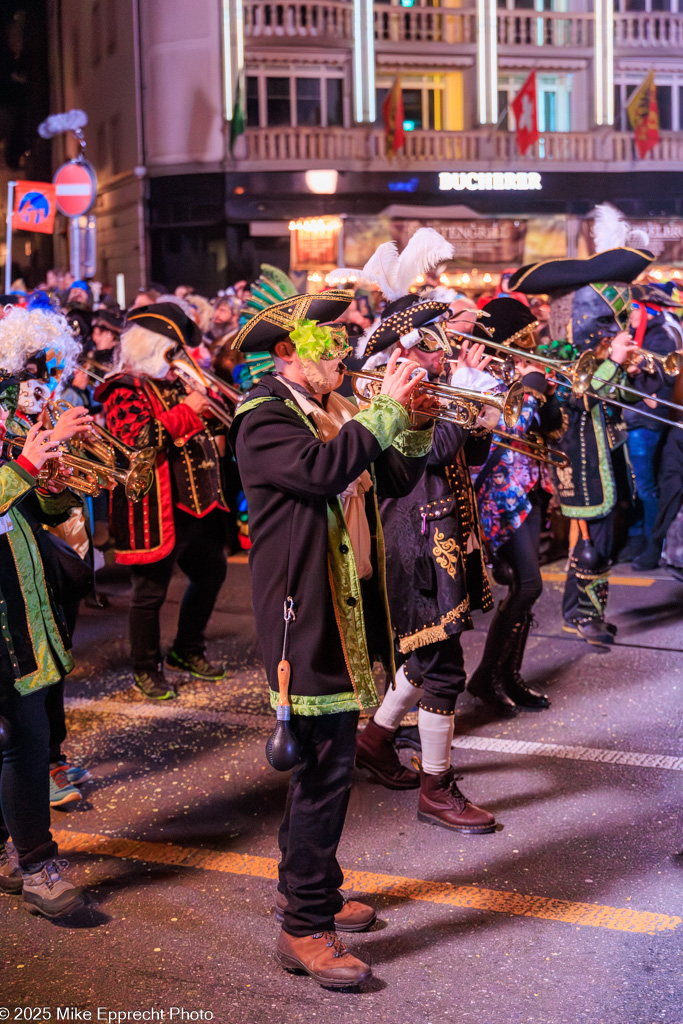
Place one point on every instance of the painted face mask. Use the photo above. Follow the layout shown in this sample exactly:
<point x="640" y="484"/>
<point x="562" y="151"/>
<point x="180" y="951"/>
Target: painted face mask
<point x="33" y="397"/>
<point x="320" y="351"/>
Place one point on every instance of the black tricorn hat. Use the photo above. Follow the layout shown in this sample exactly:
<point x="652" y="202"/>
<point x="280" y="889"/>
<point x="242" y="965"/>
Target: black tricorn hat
<point x="168" y="320"/>
<point x="656" y="295"/>
<point x="509" y="322"/>
<point x="397" y="325"/>
<point x="274" y="323"/>
<point x="109" y="320"/>
<point x="567" y="275"/>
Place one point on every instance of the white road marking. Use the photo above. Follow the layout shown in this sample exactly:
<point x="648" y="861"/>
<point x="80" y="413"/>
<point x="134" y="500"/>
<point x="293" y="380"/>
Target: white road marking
<point x="166" y="711"/>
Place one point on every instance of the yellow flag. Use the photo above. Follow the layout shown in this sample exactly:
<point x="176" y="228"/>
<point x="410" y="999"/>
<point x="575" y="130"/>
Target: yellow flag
<point x="643" y="113"/>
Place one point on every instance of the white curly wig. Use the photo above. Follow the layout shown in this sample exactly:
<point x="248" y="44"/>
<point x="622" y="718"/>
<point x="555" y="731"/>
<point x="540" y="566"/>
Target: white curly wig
<point x="143" y="352"/>
<point x="24" y="333"/>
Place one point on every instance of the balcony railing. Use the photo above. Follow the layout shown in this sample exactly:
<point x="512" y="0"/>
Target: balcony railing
<point x="659" y="29"/>
<point x="311" y="19"/>
<point x="545" y="28"/>
<point x="364" y="149"/>
<point x="396" y="24"/>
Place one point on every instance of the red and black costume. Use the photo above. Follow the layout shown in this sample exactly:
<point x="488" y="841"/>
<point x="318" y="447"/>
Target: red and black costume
<point x="181" y="519"/>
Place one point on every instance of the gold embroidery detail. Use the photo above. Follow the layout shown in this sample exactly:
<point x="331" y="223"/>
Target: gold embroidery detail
<point x="443" y="552"/>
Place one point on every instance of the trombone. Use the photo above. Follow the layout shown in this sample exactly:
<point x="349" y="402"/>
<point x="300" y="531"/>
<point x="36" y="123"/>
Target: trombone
<point x="195" y="378"/>
<point x="456" y="405"/>
<point x="536" y="450"/>
<point x="580" y="374"/>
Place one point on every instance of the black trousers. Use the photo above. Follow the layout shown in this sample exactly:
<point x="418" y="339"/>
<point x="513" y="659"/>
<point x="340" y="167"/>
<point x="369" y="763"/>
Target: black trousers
<point x="519" y="554"/>
<point x="54" y="707"/>
<point x="440" y="670"/>
<point x="601" y="533"/>
<point x="319" y="788"/>
<point x="24" y="779"/>
<point x="199" y="551"/>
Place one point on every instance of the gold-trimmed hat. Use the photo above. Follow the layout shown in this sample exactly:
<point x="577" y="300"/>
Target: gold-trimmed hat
<point x="508" y="322"/>
<point x="274" y="323"/>
<point x="619" y="264"/>
<point x="403" y="322"/>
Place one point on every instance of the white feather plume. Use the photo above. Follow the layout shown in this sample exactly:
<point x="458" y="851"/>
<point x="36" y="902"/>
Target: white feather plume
<point x="638" y="239"/>
<point x="394" y="274"/>
<point x="347" y="274"/>
<point x="610" y="228"/>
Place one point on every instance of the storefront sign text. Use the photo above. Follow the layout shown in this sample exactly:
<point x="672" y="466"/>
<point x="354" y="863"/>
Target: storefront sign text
<point x="490" y="181"/>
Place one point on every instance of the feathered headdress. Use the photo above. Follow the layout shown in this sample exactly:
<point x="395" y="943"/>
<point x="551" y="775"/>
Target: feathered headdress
<point x="394" y="273"/>
<point x="611" y="230"/>
<point x="272" y="286"/>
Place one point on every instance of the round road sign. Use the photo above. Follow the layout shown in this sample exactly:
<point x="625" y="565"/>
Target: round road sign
<point x="76" y="188"/>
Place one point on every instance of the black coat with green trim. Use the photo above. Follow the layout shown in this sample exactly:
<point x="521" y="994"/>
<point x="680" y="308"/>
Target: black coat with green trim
<point x="301" y="548"/>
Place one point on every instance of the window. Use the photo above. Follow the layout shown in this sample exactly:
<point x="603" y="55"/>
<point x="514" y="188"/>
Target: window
<point x="252" y="102"/>
<point x="627" y="6"/>
<point x="553" y="101"/>
<point x="669" y="100"/>
<point x="317" y="100"/>
<point x="422" y="101"/>
<point x="335" y="101"/>
<point x="308" y="102"/>
<point x="278" y="101"/>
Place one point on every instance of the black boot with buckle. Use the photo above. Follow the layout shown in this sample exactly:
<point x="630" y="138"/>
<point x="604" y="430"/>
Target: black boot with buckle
<point x="526" y="698"/>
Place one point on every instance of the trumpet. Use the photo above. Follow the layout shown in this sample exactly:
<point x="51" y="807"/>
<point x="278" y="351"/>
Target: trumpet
<point x="89" y="477"/>
<point x="671" y="363"/>
<point x="456" y="405"/>
<point x="195" y="378"/>
<point x="99" y="449"/>
<point x="533" y="449"/>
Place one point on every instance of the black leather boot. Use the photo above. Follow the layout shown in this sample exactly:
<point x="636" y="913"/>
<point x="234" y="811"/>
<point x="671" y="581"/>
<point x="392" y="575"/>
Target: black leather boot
<point x="523" y="695"/>
<point x="487" y="682"/>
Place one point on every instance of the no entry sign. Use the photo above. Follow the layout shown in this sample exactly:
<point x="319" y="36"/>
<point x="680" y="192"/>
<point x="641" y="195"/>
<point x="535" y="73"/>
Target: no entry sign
<point x="76" y="188"/>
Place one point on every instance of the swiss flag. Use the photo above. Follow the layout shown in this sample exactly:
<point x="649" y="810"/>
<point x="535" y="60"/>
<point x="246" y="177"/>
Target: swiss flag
<point x="526" y="117"/>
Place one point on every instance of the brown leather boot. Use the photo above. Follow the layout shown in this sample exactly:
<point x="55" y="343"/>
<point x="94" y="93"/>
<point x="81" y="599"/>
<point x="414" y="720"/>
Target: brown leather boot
<point x="441" y="803"/>
<point x="353" y="916"/>
<point x="322" y="955"/>
<point x="375" y="751"/>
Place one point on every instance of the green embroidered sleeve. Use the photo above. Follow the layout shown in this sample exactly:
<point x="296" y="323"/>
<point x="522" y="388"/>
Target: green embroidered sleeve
<point x="606" y="381"/>
<point x="385" y="418"/>
<point x="414" y="443"/>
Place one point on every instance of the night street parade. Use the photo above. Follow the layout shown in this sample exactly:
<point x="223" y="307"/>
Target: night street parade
<point x="341" y="511"/>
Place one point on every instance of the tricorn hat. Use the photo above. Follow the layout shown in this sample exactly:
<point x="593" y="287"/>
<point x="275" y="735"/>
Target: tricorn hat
<point x="403" y="322"/>
<point x="567" y="275"/>
<point x="275" y="322"/>
<point x="508" y="322"/>
<point x="168" y="320"/>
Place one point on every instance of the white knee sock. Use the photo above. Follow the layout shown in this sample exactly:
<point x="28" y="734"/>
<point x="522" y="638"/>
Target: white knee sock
<point x="397" y="702"/>
<point x="436" y="736"/>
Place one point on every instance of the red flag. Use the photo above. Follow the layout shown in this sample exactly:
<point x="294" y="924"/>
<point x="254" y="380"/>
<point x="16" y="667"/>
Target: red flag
<point x="392" y="111"/>
<point x="34" y="207"/>
<point x="643" y="113"/>
<point x="526" y="116"/>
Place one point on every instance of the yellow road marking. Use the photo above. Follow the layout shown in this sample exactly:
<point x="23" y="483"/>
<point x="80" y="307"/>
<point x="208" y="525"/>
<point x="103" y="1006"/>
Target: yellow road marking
<point x="625" y="581"/>
<point x="593" y="915"/>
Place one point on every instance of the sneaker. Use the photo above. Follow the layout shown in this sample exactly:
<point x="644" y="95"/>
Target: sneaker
<point x="74" y="773"/>
<point x="152" y="684"/>
<point x="11" y="879"/>
<point x="47" y="893"/>
<point x="196" y="665"/>
<point x="61" y="790"/>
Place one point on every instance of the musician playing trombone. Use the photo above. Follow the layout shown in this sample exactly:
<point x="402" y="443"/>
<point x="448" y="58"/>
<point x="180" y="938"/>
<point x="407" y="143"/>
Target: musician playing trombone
<point x="435" y="577"/>
<point x="182" y="518"/>
<point x="513" y="490"/>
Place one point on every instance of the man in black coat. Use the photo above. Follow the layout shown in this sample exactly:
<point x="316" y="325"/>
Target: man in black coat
<point x="310" y="464"/>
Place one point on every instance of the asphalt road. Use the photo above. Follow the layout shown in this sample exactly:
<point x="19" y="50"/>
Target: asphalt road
<point x="570" y="913"/>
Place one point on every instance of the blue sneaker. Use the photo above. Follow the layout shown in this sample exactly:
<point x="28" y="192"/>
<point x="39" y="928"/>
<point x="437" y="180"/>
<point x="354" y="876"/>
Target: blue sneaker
<point x="62" y="792"/>
<point x="74" y="774"/>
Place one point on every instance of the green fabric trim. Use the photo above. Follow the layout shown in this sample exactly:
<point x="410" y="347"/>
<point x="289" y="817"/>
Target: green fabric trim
<point x="15" y="482"/>
<point x="606" y="478"/>
<point x="385" y="418"/>
<point x="327" y="704"/>
<point x="252" y="403"/>
<point x="52" y="659"/>
<point x="414" y="444"/>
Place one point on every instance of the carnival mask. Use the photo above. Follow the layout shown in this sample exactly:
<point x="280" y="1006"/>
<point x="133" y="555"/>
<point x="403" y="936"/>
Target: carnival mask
<point x="597" y="314"/>
<point x="33" y="397"/>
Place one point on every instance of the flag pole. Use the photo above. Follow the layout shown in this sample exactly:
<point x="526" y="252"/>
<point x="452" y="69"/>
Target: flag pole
<point x="11" y="185"/>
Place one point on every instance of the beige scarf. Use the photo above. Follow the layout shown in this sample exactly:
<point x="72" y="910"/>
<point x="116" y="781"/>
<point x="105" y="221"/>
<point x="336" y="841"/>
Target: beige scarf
<point x="328" y="423"/>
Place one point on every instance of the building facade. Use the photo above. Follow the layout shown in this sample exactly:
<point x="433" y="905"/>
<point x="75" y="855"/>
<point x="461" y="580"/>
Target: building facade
<point x="183" y="199"/>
